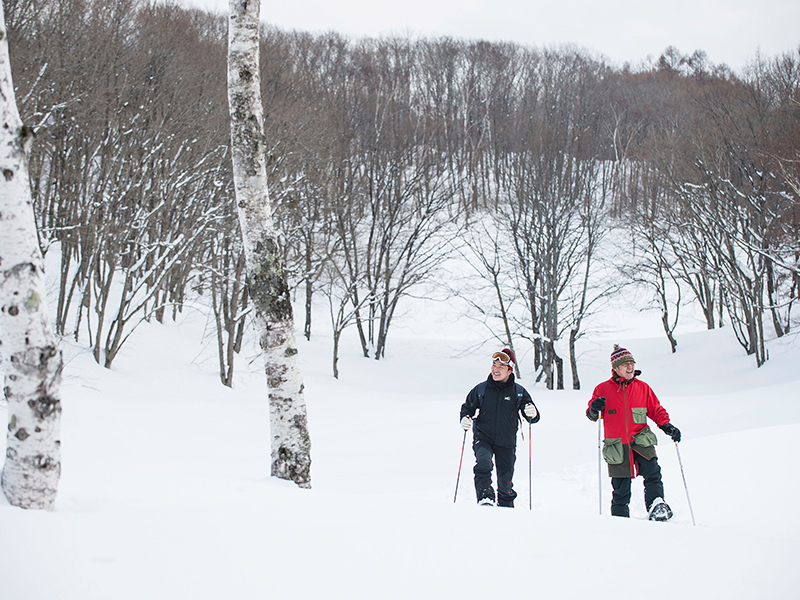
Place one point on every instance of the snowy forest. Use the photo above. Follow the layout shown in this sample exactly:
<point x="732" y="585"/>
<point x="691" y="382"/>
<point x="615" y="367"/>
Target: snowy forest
<point x="432" y="200"/>
<point x="389" y="156"/>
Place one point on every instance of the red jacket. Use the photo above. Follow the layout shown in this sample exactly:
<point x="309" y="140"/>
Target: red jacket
<point x="628" y="406"/>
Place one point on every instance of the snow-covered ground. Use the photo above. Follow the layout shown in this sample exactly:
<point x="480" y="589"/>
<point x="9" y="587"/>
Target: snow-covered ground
<point x="165" y="492"/>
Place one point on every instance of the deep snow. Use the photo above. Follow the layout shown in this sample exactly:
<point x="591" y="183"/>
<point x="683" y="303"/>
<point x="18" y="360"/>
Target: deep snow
<point x="165" y="492"/>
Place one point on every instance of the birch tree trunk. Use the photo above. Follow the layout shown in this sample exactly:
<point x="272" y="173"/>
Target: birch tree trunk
<point x="33" y="366"/>
<point x="291" y="445"/>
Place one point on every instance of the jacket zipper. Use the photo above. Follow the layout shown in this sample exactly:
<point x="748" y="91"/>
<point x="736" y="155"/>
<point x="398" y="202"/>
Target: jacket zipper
<point x="627" y="428"/>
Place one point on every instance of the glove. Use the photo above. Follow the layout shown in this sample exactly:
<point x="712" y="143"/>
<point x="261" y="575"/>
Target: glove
<point x="530" y="411"/>
<point x="598" y="404"/>
<point x="466" y="422"/>
<point x="671" y="431"/>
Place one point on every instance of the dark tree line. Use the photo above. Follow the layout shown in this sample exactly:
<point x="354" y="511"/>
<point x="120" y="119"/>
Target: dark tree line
<point x="386" y="155"/>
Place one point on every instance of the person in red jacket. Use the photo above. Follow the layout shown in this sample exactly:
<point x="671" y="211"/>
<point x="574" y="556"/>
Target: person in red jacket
<point x="625" y="403"/>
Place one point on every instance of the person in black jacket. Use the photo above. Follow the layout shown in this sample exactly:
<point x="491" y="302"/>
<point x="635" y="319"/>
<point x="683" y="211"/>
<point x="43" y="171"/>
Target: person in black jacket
<point x="499" y="401"/>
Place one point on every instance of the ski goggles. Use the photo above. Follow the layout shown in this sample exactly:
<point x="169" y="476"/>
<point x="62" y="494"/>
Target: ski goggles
<point x="503" y="359"/>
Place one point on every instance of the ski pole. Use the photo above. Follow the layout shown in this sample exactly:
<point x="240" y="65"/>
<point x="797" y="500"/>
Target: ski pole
<point x="685" y="487"/>
<point x="463" y="443"/>
<point x="599" y="468"/>
<point x="530" y="479"/>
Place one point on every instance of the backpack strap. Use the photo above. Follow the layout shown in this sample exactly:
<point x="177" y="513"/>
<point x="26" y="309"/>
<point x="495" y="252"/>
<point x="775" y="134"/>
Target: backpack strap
<point x="481" y="392"/>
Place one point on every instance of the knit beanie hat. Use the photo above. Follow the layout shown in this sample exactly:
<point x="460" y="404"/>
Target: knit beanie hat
<point x="620" y="356"/>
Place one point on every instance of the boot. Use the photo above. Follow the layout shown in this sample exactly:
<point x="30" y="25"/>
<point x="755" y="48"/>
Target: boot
<point x="660" y="510"/>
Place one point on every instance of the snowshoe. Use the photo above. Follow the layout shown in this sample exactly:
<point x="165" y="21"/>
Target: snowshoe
<point x="660" y="510"/>
<point x="486" y="502"/>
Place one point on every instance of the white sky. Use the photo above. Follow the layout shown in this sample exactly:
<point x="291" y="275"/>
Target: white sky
<point x="729" y="31"/>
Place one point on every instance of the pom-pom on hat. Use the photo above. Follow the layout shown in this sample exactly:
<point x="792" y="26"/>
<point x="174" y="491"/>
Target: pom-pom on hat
<point x="506" y="357"/>
<point x="620" y="356"/>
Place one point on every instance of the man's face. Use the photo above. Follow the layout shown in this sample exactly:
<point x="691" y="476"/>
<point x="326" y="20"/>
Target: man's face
<point x="625" y="370"/>
<point x="500" y="372"/>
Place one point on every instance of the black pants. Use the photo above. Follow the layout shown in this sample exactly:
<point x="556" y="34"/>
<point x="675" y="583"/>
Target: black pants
<point x="653" y="488"/>
<point x="505" y="458"/>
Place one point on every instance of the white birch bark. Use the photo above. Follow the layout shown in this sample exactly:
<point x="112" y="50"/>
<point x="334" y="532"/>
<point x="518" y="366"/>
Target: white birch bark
<point x="33" y="361"/>
<point x="291" y="445"/>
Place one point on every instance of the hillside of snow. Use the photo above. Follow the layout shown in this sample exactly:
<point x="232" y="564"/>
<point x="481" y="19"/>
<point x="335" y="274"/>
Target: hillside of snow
<point x="165" y="489"/>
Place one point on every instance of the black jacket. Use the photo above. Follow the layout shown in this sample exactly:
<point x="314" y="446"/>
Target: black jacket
<point x="498" y="411"/>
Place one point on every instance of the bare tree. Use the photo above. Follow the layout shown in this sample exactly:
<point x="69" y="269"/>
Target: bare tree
<point x="654" y="268"/>
<point x="33" y="367"/>
<point x="229" y="302"/>
<point x="550" y="204"/>
<point x="268" y="290"/>
<point x="484" y="246"/>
